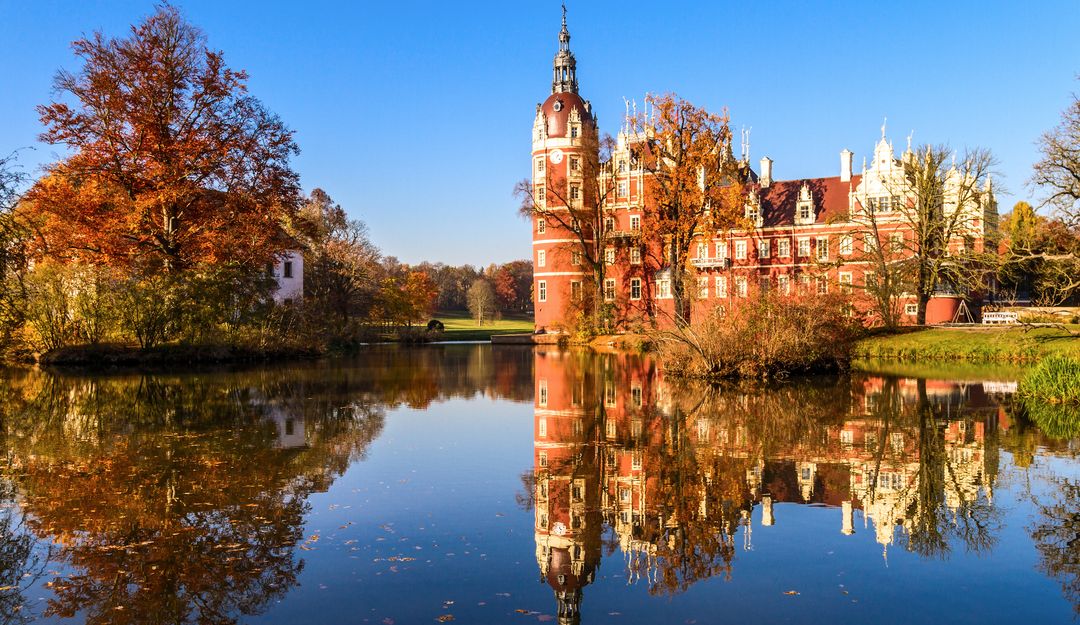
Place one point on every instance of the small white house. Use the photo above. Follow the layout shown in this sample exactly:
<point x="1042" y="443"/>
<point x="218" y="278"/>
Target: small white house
<point x="288" y="271"/>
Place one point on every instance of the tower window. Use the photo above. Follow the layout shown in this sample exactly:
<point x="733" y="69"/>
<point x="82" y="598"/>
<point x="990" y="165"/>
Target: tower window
<point x="541" y="290"/>
<point x="575" y="192"/>
<point x="541" y="258"/>
<point x="573" y="131"/>
<point x="575" y="163"/>
<point x="287" y="270"/>
<point x="635" y="288"/>
<point x="541" y="226"/>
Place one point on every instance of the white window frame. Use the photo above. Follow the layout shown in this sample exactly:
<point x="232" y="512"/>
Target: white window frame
<point x="804" y="247"/>
<point x="844" y="278"/>
<point x="720" y="286"/>
<point x="609" y="256"/>
<point x="821" y="286"/>
<point x="575" y="290"/>
<point x="847" y="246"/>
<point x="764" y="248"/>
<point x="783" y="284"/>
<point x="541" y="258"/>
<point x="740" y="250"/>
<point x="609" y="289"/>
<point x="575" y="257"/>
<point x="911" y="309"/>
<point x="663" y="289"/>
<point x="541" y="291"/>
<point x="635" y="223"/>
<point x="541" y="226"/>
<point x="783" y="247"/>
<point x="742" y="287"/>
<point x="703" y="287"/>
<point x="635" y="256"/>
<point x="635" y="286"/>
<point x="721" y="249"/>
<point x="821" y="248"/>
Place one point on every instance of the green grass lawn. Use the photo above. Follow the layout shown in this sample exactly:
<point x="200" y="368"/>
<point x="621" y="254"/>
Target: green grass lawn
<point x="998" y="344"/>
<point x="461" y="327"/>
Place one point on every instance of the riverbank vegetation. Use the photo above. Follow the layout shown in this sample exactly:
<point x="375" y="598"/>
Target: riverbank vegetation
<point x="160" y="228"/>
<point x="996" y="344"/>
<point x="766" y="335"/>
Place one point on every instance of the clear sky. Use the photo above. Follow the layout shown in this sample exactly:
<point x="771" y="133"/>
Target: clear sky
<point x="416" y="116"/>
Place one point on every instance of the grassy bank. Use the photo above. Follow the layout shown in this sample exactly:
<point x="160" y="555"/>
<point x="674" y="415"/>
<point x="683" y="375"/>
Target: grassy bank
<point x="461" y="327"/>
<point x="1051" y="395"/>
<point x="107" y="356"/>
<point x="972" y="344"/>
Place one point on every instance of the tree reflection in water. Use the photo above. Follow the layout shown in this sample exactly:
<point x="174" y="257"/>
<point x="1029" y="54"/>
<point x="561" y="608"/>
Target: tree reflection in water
<point x="671" y="471"/>
<point x="181" y="498"/>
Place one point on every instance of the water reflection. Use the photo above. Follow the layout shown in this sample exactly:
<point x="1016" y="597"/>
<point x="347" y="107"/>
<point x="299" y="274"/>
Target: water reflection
<point x="181" y="498"/>
<point x="187" y="498"/>
<point x="671" y="473"/>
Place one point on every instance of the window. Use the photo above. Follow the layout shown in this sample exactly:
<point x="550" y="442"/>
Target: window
<point x="622" y="166"/>
<point x="575" y="163"/>
<point x="540" y="165"/>
<point x="624" y="189"/>
<point x="286" y="269"/>
<point x="540" y="195"/>
<point x="575" y="290"/>
<point x="806" y="214"/>
<point x="721" y="286"/>
<point x="609" y="401"/>
<point x="845" y="282"/>
<point x="541" y="290"/>
<point x="740" y="250"/>
<point x="763" y="250"/>
<point x="702" y="251"/>
<point x="541" y="258"/>
<point x="609" y="224"/>
<point x="635" y="395"/>
<point x="763" y="284"/>
<point x="635" y="288"/>
<point x="822" y="285"/>
<point x="911" y="309"/>
<point x="573" y="131"/>
<point x="663" y="289"/>
<point x="543" y="401"/>
<point x="543" y="463"/>
<point x="783" y="284"/>
<point x="804" y="283"/>
<point x="847" y="437"/>
<point x="896" y="241"/>
<point x="845" y="245"/>
<point x="869" y="242"/>
<point x="703" y="287"/>
<point x="783" y="248"/>
<point x="822" y="248"/>
<point x="804" y="247"/>
<point x="635" y="223"/>
<point x="752" y="213"/>
<point x="609" y="256"/>
<point x="740" y="287"/>
<point x="609" y="289"/>
<point x="541" y="226"/>
<point x="870" y="279"/>
<point x="721" y="249"/>
<point x="575" y="258"/>
<point x="575" y="192"/>
<point x="635" y="256"/>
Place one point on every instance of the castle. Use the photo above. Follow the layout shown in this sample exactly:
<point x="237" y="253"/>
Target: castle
<point x="806" y="237"/>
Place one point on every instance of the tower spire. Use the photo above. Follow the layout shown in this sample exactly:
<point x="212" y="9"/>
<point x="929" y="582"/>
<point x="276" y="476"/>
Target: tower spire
<point x="565" y="65"/>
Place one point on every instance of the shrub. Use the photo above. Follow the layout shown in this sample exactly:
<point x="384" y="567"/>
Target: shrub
<point x="762" y="336"/>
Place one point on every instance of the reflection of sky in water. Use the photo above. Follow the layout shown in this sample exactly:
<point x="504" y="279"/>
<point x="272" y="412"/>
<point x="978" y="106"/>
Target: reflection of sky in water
<point x="430" y="516"/>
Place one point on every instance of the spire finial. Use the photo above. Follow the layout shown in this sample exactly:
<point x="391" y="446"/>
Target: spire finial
<point x="884" y="121"/>
<point x="909" y="139"/>
<point x="564" y="15"/>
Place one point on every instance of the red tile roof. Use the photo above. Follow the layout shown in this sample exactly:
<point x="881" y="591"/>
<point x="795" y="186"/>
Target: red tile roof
<point x="830" y="199"/>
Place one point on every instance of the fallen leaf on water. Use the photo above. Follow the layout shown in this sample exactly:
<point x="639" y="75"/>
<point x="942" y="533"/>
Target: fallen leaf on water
<point x="445" y="617"/>
<point x="791" y="592"/>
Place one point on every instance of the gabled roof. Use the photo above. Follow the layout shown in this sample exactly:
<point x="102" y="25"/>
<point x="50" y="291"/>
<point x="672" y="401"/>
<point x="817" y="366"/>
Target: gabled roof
<point x="830" y="197"/>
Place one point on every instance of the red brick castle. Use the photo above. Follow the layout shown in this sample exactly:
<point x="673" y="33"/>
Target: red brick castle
<point x="808" y="237"/>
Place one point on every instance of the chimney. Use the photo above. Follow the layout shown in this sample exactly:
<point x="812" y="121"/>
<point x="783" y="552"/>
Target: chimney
<point x="765" y="177"/>
<point x="845" y="165"/>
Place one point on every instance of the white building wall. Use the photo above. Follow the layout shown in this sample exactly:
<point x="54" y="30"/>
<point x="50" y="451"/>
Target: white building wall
<point x="289" y="274"/>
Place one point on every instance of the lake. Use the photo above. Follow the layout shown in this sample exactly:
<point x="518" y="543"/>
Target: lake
<point x="472" y="484"/>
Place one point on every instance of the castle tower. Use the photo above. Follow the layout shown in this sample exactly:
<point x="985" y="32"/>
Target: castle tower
<point x="563" y="132"/>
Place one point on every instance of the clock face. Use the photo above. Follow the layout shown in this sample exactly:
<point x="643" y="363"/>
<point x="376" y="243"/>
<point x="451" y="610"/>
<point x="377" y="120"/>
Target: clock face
<point x="556" y="156"/>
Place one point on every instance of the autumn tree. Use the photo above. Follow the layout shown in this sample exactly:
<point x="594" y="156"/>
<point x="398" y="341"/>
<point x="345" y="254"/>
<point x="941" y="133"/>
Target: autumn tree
<point x="172" y="162"/>
<point x="13" y="236"/>
<point x="481" y="301"/>
<point x="1057" y="173"/>
<point x="341" y="263"/>
<point x="694" y="183"/>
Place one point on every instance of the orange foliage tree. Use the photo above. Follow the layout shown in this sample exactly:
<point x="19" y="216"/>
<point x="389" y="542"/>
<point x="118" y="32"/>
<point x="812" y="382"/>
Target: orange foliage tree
<point x="695" y="183"/>
<point x="172" y="163"/>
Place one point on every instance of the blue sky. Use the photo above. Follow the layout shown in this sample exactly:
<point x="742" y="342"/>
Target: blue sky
<point x="416" y="116"/>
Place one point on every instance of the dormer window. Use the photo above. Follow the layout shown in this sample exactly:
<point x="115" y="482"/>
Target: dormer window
<point x="804" y="207"/>
<point x="574" y="131"/>
<point x="752" y="211"/>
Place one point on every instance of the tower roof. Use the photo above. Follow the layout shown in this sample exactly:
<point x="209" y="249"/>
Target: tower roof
<point x="564" y="79"/>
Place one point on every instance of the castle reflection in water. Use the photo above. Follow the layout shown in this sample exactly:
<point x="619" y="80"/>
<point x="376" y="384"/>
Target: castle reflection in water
<point x="673" y="471"/>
